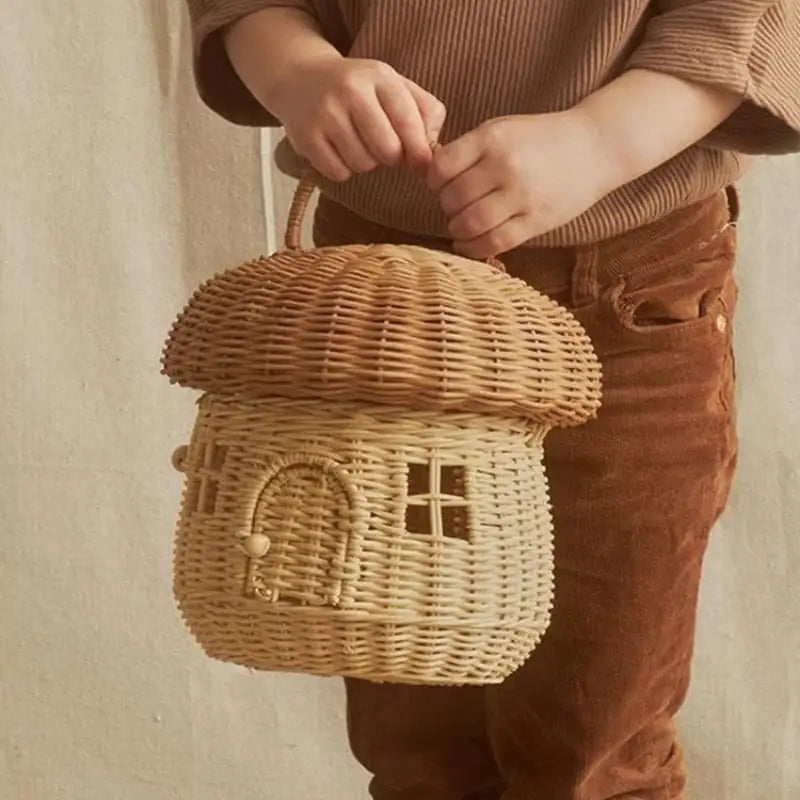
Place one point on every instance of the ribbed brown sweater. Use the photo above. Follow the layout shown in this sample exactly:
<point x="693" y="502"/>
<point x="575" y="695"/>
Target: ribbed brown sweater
<point x="486" y="58"/>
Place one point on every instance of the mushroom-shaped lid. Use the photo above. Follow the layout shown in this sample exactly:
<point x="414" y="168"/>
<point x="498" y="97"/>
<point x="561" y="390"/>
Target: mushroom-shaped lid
<point x="387" y="324"/>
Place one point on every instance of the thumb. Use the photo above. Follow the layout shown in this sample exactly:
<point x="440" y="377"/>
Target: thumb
<point x="431" y="109"/>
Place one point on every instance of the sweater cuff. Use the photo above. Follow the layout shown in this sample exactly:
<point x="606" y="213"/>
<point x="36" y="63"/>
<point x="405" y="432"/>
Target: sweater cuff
<point x="749" y="48"/>
<point x="219" y="86"/>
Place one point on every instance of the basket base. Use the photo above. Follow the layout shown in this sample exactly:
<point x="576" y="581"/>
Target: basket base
<point x="377" y="652"/>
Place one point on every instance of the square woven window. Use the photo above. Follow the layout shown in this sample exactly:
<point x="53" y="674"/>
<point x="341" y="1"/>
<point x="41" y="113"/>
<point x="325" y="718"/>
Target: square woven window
<point x="202" y="495"/>
<point x="437" y="500"/>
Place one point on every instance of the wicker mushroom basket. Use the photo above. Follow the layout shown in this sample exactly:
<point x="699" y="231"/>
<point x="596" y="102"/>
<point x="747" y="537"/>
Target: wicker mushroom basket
<point x="364" y="487"/>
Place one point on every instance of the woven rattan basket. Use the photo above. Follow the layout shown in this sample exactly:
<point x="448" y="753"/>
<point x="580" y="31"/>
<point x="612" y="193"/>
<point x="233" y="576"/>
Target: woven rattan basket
<point x="364" y="487"/>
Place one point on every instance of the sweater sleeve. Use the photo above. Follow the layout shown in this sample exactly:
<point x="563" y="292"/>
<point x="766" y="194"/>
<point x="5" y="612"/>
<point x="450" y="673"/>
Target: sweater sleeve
<point x="217" y="82"/>
<point x="750" y="47"/>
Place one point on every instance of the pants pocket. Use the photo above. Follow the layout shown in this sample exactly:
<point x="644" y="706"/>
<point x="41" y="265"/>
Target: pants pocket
<point x="692" y="293"/>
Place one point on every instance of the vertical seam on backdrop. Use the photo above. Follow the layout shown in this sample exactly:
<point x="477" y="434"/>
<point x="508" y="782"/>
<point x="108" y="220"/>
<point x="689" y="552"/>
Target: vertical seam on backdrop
<point x="267" y="193"/>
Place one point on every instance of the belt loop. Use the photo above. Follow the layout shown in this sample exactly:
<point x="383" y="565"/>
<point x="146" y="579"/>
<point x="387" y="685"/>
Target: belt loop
<point x="585" y="284"/>
<point x="734" y="203"/>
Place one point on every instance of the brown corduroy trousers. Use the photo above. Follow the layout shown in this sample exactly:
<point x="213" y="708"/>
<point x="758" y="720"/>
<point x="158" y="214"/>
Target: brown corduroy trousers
<point x="635" y="494"/>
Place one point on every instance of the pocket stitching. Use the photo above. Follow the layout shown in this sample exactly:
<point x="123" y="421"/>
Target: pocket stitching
<point x="623" y="317"/>
<point x="729" y="231"/>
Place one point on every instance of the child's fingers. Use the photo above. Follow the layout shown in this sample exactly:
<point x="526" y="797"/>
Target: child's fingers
<point x="406" y="119"/>
<point x="326" y="160"/>
<point x="376" y="131"/>
<point x="483" y="216"/>
<point x="433" y="110"/>
<point x="511" y="234"/>
<point x="469" y="187"/>
<point x="453" y="159"/>
<point x="350" y="147"/>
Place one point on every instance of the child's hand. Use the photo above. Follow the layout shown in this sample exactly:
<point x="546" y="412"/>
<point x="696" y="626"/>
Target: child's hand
<point x="348" y="116"/>
<point x="515" y="178"/>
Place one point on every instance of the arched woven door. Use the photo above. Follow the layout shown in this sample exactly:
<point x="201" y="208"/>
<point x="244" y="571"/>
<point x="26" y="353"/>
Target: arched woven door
<point x="307" y="510"/>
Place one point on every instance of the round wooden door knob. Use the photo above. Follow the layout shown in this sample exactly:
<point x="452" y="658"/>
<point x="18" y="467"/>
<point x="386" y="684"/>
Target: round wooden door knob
<point x="256" y="545"/>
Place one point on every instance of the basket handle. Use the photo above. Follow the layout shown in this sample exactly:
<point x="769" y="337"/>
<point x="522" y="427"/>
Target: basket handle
<point x="299" y="207"/>
<point x="297" y="210"/>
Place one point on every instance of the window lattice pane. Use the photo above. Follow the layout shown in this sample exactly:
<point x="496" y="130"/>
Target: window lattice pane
<point x="419" y="480"/>
<point x="208" y="496"/>
<point x="453" y="482"/>
<point x="455" y="522"/>
<point x="418" y="519"/>
<point x="216" y="457"/>
<point x="192" y="494"/>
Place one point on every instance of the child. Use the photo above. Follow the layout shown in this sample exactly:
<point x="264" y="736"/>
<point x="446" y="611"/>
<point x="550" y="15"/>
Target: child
<point x="593" y="147"/>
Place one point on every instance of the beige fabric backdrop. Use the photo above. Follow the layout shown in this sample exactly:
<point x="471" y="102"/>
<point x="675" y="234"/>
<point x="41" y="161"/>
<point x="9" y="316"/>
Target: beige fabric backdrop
<point x="118" y="193"/>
